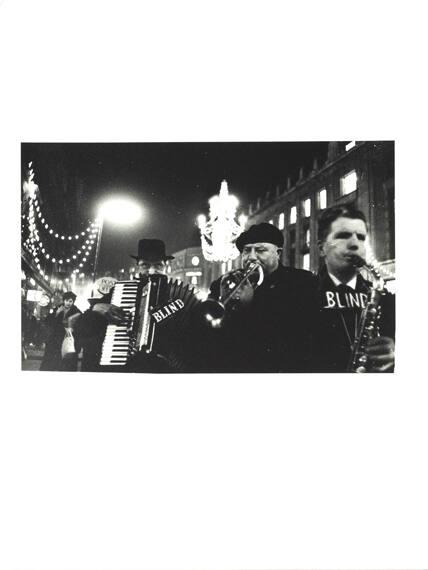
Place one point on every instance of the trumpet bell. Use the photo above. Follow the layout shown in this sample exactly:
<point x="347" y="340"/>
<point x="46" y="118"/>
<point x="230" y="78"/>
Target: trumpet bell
<point x="212" y="312"/>
<point x="236" y="291"/>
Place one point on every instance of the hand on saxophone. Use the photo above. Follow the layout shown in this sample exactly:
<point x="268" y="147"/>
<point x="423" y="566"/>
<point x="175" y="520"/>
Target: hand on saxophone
<point x="381" y="352"/>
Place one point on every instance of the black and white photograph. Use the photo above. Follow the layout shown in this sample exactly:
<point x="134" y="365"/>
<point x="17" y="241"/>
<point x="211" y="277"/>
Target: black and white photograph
<point x="208" y="257"/>
<point x="213" y="271"/>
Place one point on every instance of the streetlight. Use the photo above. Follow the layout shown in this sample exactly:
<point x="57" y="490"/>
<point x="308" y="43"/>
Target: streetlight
<point x="119" y="211"/>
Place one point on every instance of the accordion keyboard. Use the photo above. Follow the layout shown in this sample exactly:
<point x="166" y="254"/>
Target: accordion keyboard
<point x="117" y="339"/>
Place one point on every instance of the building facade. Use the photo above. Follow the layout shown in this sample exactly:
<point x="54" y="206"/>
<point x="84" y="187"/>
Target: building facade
<point x="361" y="173"/>
<point x="190" y="267"/>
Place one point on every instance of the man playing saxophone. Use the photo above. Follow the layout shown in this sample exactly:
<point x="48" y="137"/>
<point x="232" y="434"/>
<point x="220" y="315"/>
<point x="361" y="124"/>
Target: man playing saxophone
<point x="344" y="294"/>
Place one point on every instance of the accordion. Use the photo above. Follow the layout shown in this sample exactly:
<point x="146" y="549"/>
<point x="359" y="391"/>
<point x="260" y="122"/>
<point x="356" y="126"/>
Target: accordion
<point x="159" y="327"/>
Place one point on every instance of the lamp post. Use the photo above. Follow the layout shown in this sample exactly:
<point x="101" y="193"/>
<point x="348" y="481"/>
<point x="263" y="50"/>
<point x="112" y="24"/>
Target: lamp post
<point x="119" y="211"/>
<point x="100" y="223"/>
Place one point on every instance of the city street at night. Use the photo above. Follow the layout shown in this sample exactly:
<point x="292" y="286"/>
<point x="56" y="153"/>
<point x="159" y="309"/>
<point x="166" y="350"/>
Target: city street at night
<point x="87" y="208"/>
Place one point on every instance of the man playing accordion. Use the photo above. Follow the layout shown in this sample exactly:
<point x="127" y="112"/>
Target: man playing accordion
<point x="92" y="326"/>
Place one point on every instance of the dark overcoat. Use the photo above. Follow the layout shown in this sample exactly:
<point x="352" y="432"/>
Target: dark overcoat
<point x="340" y="310"/>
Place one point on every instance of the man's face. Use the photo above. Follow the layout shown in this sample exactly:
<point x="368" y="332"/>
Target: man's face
<point x="346" y="238"/>
<point x="68" y="303"/>
<point x="146" y="267"/>
<point x="267" y="254"/>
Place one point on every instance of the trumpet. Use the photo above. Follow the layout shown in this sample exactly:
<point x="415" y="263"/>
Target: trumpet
<point x="231" y="283"/>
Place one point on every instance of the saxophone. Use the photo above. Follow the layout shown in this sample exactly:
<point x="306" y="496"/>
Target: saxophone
<point x="368" y="325"/>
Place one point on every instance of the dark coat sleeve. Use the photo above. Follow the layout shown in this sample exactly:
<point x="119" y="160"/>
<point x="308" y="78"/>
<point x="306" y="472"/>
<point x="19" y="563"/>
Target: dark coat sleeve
<point x="89" y="333"/>
<point x="387" y="317"/>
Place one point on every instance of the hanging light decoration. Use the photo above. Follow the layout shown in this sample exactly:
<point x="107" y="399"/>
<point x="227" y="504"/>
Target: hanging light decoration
<point x="380" y="266"/>
<point x="38" y="249"/>
<point x="219" y="233"/>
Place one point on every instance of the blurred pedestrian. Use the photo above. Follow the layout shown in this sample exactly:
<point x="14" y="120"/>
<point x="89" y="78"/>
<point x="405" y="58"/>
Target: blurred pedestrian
<point x="60" y="324"/>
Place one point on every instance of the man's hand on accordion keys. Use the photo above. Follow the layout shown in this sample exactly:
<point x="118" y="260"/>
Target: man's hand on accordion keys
<point x="113" y="314"/>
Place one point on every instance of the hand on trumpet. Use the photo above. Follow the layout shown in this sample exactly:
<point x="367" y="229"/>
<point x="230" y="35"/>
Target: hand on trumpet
<point x="243" y="295"/>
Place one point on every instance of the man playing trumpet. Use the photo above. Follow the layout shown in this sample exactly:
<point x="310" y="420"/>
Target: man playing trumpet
<point x="268" y="328"/>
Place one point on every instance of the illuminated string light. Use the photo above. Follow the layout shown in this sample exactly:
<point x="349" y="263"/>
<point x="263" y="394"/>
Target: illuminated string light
<point x="38" y="249"/>
<point x="371" y="259"/>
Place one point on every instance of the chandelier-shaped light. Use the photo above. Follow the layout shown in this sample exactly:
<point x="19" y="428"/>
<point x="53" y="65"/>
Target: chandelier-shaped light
<point x="219" y="233"/>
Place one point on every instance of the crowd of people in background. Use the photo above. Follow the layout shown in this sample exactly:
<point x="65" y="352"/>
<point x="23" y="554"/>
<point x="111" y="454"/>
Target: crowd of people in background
<point x="293" y="321"/>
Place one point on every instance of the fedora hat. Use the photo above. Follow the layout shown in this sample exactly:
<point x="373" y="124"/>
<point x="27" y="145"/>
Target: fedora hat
<point x="151" y="250"/>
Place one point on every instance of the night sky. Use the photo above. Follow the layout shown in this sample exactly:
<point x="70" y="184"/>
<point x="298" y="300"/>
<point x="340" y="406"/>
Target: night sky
<point x="171" y="181"/>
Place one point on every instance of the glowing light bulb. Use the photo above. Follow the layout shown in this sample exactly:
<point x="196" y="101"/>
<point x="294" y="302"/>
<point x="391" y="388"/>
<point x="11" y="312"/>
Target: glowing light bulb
<point x="120" y="211"/>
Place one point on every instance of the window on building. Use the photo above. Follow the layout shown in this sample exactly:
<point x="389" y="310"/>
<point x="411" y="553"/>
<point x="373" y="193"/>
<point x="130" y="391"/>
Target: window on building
<point x="308" y="238"/>
<point x="293" y="215"/>
<point x="322" y="199"/>
<point x="307" y="207"/>
<point x="348" y="183"/>
<point x="349" y="145"/>
<point x="306" y="261"/>
<point x="281" y="221"/>
<point x="194" y="280"/>
<point x="292" y="247"/>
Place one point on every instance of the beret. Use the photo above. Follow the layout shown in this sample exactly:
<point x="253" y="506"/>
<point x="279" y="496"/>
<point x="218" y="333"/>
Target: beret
<point x="260" y="233"/>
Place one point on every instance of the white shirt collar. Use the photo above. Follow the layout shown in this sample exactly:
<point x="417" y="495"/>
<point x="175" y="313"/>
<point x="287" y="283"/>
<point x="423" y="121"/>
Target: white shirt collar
<point x="351" y="283"/>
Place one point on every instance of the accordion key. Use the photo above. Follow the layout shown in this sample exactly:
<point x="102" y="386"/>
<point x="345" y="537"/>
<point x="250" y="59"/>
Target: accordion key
<point x="117" y="338"/>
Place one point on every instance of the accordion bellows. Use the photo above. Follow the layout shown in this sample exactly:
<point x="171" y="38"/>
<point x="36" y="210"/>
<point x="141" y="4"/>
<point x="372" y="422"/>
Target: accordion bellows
<point x="159" y="328"/>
